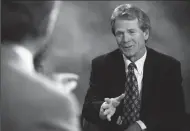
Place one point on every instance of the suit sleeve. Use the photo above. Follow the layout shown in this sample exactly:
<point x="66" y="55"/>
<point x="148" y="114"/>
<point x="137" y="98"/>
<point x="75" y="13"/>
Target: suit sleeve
<point x="172" y="102"/>
<point x="95" y="94"/>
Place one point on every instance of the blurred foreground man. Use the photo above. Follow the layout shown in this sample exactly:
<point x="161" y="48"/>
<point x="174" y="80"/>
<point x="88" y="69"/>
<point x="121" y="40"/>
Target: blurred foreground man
<point x="29" y="100"/>
<point x="134" y="88"/>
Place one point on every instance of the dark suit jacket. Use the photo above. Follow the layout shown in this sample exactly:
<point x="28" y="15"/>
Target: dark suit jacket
<point x="162" y="106"/>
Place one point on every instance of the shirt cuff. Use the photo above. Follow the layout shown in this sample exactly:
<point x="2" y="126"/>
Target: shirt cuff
<point x="141" y="124"/>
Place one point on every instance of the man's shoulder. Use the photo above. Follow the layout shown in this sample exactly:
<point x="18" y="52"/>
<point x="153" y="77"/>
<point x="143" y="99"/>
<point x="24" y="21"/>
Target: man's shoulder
<point x="37" y="96"/>
<point x="160" y="57"/>
<point x="106" y="56"/>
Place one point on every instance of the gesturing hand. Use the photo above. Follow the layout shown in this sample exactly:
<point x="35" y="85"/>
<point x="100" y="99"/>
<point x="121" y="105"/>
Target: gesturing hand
<point x="108" y="108"/>
<point x="66" y="82"/>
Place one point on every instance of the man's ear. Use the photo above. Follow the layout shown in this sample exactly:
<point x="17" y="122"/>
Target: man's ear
<point x="146" y="34"/>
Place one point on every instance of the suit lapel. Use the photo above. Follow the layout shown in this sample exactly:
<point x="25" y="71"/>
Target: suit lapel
<point x="147" y="80"/>
<point x="118" y="68"/>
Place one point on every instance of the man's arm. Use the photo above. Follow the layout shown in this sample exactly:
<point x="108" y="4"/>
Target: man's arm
<point x="172" y="111"/>
<point x="95" y="94"/>
<point x="175" y="100"/>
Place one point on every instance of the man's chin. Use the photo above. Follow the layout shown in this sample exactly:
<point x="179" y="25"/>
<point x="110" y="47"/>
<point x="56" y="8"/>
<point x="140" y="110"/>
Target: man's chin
<point x="128" y="54"/>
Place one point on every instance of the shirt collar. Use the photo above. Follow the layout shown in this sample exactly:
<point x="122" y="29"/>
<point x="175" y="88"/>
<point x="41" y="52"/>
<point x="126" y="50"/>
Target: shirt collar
<point x="26" y="58"/>
<point x="139" y="63"/>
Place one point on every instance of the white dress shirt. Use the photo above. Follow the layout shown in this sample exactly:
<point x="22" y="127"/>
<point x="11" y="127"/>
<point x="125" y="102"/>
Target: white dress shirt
<point x="139" y="71"/>
<point x="139" y="75"/>
<point x="24" y="59"/>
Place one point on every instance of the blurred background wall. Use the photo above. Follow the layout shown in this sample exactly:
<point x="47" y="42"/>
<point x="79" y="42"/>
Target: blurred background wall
<point x="83" y="32"/>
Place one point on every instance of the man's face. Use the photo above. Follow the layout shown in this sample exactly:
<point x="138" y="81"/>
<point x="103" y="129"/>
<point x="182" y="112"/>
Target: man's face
<point x="130" y="38"/>
<point x="53" y="17"/>
<point x="43" y="45"/>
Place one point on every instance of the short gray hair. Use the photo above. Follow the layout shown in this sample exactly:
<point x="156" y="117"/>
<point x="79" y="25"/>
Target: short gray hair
<point x="130" y="12"/>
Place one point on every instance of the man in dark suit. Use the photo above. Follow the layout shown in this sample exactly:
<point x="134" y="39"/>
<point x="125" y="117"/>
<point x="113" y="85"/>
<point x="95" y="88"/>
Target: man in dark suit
<point x="30" y="101"/>
<point x="134" y="88"/>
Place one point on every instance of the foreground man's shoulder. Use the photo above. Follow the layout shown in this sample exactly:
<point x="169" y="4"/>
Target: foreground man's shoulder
<point x="39" y="103"/>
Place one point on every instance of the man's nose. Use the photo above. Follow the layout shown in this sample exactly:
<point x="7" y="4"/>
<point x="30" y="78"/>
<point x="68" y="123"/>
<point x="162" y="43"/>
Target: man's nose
<point x="126" y="37"/>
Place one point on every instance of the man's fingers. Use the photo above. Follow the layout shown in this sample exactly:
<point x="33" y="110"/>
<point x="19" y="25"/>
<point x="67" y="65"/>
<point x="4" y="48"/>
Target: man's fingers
<point x="105" y="106"/>
<point x="106" y="112"/>
<point x="119" y="98"/>
<point x="108" y="100"/>
<point x="65" y="77"/>
<point x="101" y="109"/>
<point x="109" y="116"/>
<point x="115" y="103"/>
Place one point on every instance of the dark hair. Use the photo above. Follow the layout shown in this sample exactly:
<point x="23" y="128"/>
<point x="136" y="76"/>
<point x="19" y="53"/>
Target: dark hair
<point x="21" y="19"/>
<point x="130" y="12"/>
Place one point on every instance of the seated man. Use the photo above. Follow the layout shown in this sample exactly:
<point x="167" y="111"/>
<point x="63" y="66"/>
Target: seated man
<point x="30" y="101"/>
<point x="134" y="87"/>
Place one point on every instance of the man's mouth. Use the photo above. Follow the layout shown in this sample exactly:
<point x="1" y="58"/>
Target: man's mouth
<point x="128" y="47"/>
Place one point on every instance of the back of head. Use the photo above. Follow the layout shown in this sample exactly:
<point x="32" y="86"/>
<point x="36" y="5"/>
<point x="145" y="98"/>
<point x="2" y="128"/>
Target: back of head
<point x="25" y="19"/>
<point x="130" y="12"/>
<point x="29" y="24"/>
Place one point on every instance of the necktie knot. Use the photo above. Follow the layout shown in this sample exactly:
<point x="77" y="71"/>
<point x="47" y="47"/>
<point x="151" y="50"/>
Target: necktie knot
<point x="132" y="66"/>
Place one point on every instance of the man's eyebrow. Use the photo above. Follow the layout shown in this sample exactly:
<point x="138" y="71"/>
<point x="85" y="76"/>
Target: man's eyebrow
<point x="123" y="30"/>
<point x="120" y="30"/>
<point x="132" y="29"/>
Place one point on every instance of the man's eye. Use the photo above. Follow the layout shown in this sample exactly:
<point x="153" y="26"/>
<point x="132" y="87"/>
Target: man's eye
<point x="119" y="33"/>
<point x="132" y="32"/>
